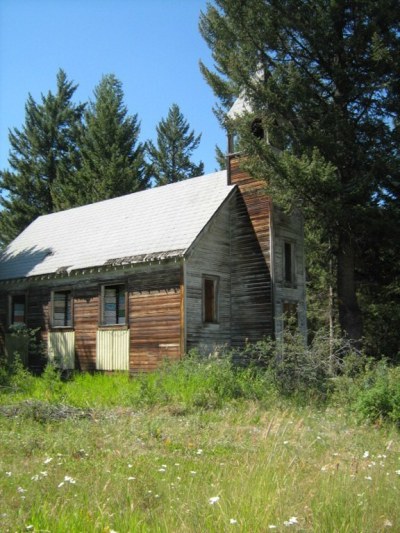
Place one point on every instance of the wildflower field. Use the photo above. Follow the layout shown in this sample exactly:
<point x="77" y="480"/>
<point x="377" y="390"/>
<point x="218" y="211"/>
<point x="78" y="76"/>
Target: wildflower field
<point x="198" y="448"/>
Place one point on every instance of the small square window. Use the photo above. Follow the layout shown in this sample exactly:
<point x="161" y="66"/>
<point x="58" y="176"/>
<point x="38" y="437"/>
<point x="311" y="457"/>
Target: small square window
<point x="62" y="309"/>
<point x="113" y="305"/>
<point x="17" y="309"/>
<point x="210" y="299"/>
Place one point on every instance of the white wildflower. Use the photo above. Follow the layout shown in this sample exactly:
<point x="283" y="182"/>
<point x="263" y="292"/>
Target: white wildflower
<point x="69" y="479"/>
<point x="368" y="478"/>
<point x="131" y="478"/>
<point x="272" y="526"/>
<point x="60" y="484"/>
<point x="292" y="520"/>
<point x="35" y="477"/>
<point x="213" y="500"/>
<point x="8" y="474"/>
<point x="28" y="528"/>
<point x="177" y="464"/>
<point x="285" y="442"/>
<point x="47" y="460"/>
<point x="193" y="472"/>
<point x="365" y="455"/>
<point x="232" y="521"/>
<point x="161" y="469"/>
<point x="199" y="451"/>
<point x="387" y="523"/>
<point x="130" y="466"/>
<point x="398" y="472"/>
<point x="21" y="490"/>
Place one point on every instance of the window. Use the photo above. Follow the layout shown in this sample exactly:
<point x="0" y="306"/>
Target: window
<point x="288" y="264"/>
<point x="210" y="299"/>
<point x="17" y="309"/>
<point x="62" y="309"/>
<point x="113" y="305"/>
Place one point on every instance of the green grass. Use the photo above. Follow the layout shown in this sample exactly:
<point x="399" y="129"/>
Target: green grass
<point x="148" y="454"/>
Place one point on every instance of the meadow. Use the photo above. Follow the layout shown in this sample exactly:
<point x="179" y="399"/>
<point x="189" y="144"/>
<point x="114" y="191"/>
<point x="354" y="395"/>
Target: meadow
<point x="195" y="447"/>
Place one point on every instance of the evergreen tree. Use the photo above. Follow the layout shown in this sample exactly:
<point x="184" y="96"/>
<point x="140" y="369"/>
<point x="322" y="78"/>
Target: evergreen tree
<point x="112" y="158"/>
<point x="322" y="76"/>
<point x="170" y="160"/>
<point x="220" y="156"/>
<point x="42" y="158"/>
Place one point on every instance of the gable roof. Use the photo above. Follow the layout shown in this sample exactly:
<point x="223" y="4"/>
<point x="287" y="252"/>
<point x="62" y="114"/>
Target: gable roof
<point x="151" y="224"/>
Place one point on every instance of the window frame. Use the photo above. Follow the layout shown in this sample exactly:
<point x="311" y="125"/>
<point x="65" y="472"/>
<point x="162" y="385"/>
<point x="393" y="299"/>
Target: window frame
<point x="52" y="317"/>
<point x="102" y="322"/>
<point x="289" y="281"/>
<point x="215" y="306"/>
<point x="10" y="315"/>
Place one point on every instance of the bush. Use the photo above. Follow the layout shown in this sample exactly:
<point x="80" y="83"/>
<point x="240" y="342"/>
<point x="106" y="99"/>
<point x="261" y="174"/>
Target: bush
<point x="378" y="396"/>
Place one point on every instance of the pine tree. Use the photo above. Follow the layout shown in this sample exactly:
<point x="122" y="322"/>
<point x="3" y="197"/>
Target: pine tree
<point x="170" y="160"/>
<point x="323" y="78"/>
<point x="112" y="158"/>
<point x="42" y="158"/>
<point x="220" y="156"/>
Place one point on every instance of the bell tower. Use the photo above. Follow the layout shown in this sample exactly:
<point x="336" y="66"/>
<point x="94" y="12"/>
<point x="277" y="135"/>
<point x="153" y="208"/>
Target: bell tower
<point x="279" y="235"/>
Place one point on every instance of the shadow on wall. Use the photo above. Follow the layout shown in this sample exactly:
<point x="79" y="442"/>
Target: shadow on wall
<point x="18" y="265"/>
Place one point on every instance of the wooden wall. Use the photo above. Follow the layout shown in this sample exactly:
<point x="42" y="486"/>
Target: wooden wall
<point x="252" y="305"/>
<point x="211" y="255"/>
<point x="154" y="313"/>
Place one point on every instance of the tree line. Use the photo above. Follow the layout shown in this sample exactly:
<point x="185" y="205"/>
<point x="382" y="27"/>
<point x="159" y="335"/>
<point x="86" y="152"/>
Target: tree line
<point x="321" y="78"/>
<point x="68" y="154"/>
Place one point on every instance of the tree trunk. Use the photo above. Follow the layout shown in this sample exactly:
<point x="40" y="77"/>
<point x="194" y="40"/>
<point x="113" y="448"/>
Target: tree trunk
<point x="349" y="312"/>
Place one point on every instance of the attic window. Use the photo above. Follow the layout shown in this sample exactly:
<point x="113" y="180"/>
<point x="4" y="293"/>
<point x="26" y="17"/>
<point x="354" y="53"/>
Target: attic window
<point x="113" y="305"/>
<point x="17" y="309"/>
<point x="62" y="309"/>
<point x="210" y="299"/>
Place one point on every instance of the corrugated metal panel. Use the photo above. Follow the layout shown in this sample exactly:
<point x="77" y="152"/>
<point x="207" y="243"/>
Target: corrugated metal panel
<point x="61" y="347"/>
<point x="112" y="349"/>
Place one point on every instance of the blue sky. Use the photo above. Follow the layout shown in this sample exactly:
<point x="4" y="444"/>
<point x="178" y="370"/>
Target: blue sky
<point x="152" y="46"/>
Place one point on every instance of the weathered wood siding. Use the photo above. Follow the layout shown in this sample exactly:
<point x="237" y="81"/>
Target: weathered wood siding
<point x="155" y="316"/>
<point x="252" y="317"/>
<point x="154" y="326"/>
<point x="211" y="255"/>
<point x="252" y="306"/>
<point x="289" y="228"/>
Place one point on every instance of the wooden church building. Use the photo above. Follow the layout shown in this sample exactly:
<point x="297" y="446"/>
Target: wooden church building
<point x="124" y="283"/>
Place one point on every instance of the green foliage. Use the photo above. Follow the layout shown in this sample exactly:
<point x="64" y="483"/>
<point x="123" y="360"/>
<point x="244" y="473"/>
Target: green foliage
<point x="322" y="77"/>
<point x="170" y="160"/>
<point x="112" y="159"/>
<point x="378" y="397"/>
<point x="43" y="156"/>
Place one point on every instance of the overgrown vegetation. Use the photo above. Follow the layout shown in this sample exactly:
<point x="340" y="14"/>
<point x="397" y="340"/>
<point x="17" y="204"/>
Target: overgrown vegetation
<point x="278" y="434"/>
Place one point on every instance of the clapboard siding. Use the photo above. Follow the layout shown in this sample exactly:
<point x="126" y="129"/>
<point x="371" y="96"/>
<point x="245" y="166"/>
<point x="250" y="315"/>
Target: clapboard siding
<point x="252" y="308"/>
<point x="155" y="316"/>
<point x="251" y="281"/>
<point x="289" y="228"/>
<point x="86" y="302"/>
<point x="211" y="255"/>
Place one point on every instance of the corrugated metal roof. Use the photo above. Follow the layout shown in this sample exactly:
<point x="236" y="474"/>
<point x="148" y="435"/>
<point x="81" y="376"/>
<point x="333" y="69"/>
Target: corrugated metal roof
<point x="152" y="224"/>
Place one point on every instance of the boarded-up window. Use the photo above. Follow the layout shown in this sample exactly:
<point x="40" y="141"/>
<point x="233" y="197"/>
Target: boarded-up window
<point x="113" y="305"/>
<point x="18" y="309"/>
<point x="62" y="309"/>
<point x="210" y="299"/>
<point x="288" y="263"/>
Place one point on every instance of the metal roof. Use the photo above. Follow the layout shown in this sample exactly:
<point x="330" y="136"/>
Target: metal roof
<point x="153" y="224"/>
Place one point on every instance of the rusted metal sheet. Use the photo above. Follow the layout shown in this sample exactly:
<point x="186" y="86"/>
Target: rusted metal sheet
<point x="61" y="349"/>
<point x="112" y="349"/>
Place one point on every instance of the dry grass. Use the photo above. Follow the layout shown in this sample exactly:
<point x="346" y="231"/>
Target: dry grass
<point x="156" y="469"/>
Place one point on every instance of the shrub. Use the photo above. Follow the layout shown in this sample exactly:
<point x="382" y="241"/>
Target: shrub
<point x="378" y="396"/>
